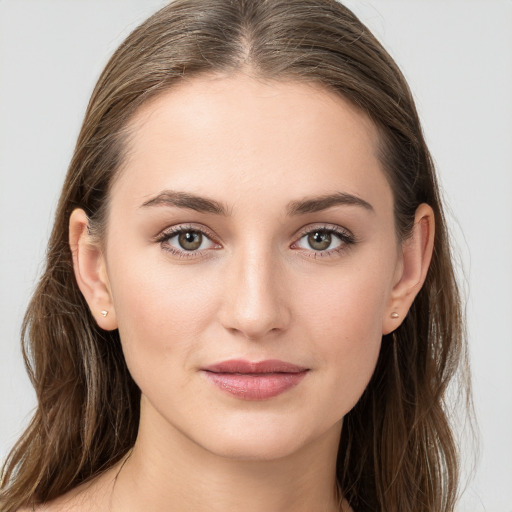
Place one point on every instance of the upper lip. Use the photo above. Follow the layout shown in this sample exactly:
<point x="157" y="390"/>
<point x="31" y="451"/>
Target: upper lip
<point x="249" y="367"/>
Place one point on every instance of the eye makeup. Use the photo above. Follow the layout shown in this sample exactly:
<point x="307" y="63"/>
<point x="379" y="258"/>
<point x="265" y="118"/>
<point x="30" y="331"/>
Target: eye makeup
<point x="194" y="241"/>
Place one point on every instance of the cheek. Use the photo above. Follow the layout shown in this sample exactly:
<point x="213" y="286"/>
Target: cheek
<point x="161" y="313"/>
<point x="346" y="305"/>
<point x="344" y="317"/>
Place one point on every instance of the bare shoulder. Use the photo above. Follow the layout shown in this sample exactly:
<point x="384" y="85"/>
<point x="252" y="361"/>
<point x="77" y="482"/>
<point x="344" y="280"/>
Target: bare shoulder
<point x="92" y="496"/>
<point x="69" y="502"/>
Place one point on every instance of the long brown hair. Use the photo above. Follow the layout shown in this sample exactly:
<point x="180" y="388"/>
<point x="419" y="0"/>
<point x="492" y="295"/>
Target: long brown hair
<point x="397" y="449"/>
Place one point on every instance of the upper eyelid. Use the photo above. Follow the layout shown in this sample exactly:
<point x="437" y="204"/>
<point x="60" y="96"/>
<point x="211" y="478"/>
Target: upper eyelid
<point x="339" y="230"/>
<point x="174" y="230"/>
<point x="203" y="229"/>
<point x="325" y="227"/>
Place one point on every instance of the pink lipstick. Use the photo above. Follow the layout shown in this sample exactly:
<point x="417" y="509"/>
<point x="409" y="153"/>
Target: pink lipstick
<point x="255" y="381"/>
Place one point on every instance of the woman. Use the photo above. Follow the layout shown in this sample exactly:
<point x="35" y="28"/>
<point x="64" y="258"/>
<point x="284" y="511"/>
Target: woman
<point x="249" y="298"/>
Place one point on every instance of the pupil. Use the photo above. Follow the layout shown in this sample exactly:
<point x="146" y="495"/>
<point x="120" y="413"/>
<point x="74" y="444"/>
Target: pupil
<point x="190" y="240"/>
<point x="320" y="240"/>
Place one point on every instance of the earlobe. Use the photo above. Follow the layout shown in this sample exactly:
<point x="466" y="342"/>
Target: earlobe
<point x="415" y="260"/>
<point x="90" y="271"/>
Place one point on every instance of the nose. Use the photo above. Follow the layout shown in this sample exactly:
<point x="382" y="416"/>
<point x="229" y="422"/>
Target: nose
<point x="255" y="303"/>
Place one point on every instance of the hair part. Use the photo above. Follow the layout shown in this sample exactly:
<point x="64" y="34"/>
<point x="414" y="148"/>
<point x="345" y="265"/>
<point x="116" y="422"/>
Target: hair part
<point x="397" y="449"/>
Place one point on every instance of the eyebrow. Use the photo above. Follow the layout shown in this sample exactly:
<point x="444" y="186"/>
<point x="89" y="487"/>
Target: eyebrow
<point x="320" y="203"/>
<point x="187" y="200"/>
<point x="300" y="207"/>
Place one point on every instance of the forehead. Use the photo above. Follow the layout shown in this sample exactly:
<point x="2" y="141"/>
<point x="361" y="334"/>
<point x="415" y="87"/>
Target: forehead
<point x="215" y="134"/>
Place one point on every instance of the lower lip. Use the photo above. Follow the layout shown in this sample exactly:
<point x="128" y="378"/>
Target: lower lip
<point x="259" y="386"/>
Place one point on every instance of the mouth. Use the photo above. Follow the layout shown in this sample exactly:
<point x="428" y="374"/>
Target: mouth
<point x="261" y="380"/>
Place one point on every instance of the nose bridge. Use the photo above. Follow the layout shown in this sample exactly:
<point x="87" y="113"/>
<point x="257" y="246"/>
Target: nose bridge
<point x="255" y="303"/>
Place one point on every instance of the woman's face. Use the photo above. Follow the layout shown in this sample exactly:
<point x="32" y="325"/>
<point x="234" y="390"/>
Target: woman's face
<point x="251" y="223"/>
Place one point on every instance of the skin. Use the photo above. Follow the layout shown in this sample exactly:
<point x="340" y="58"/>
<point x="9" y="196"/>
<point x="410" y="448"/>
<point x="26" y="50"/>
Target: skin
<point x="255" y="290"/>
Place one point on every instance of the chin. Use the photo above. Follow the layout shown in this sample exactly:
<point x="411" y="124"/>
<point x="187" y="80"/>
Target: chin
<point x="267" y="441"/>
<point x="263" y="449"/>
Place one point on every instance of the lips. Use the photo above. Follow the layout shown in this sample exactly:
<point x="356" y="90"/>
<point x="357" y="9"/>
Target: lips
<point x="255" y="380"/>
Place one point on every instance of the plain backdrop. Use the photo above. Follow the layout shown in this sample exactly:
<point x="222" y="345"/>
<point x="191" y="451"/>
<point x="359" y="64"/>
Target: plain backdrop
<point x="457" y="56"/>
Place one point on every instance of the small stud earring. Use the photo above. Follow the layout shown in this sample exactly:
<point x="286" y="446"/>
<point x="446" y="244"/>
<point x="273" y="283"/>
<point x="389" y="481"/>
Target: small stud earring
<point x="394" y="314"/>
<point x="104" y="313"/>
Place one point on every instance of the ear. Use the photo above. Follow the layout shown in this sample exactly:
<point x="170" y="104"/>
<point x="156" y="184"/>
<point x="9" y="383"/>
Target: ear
<point x="90" y="271"/>
<point x="412" y="270"/>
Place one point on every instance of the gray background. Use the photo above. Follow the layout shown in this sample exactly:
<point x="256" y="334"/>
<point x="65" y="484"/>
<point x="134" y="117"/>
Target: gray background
<point x="457" y="56"/>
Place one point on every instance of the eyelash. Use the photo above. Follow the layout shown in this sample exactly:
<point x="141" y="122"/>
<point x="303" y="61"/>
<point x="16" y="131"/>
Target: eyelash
<point x="166" y="235"/>
<point x="345" y="237"/>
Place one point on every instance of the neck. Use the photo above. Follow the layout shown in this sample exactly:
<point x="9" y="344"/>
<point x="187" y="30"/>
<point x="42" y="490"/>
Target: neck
<point x="168" y="471"/>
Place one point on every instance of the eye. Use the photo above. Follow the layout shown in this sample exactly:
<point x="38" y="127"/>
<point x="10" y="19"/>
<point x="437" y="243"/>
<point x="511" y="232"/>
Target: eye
<point x="185" y="241"/>
<point x="188" y="240"/>
<point x="325" y="240"/>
